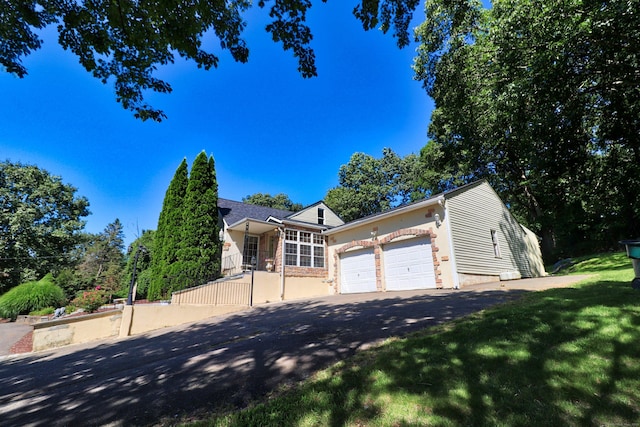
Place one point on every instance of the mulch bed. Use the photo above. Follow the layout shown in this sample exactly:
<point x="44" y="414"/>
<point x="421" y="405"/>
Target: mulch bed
<point x="25" y="345"/>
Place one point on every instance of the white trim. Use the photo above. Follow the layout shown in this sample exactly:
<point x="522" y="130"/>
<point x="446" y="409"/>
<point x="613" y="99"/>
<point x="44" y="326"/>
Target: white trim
<point x="452" y="256"/>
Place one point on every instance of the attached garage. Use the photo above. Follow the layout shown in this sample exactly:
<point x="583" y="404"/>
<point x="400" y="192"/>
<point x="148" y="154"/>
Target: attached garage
<point x="408" y="265"/>
<point x="357" y="271"/>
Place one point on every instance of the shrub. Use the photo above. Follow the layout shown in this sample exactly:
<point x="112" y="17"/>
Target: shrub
<point x="90" y="300"/>
<point x="31" y="296"/>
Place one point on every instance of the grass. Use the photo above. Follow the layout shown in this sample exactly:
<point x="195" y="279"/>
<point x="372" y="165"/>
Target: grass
<point x="562" y="357"/>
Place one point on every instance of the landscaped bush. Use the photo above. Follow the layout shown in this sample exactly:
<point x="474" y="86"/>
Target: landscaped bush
<point x="31" y="296"/>
<point x="90" y="300"/>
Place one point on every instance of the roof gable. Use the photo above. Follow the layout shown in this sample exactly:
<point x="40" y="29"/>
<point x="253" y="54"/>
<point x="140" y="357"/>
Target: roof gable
<point x="311" y="214"/>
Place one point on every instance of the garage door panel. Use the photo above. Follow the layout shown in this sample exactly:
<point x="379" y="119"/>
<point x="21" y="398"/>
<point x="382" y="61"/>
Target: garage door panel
<point x="357" y="271"/>
<point x="409" y="265"/>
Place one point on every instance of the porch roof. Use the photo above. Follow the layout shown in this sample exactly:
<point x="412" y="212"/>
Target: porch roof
<point x="255" y="226"/>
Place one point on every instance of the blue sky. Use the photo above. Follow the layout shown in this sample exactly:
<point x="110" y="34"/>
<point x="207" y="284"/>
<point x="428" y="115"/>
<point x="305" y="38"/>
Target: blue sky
<point x="269" y="130"/>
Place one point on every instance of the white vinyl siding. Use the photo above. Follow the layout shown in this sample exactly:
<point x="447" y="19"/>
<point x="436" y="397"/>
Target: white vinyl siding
<point x="473" y="214"/>
<point x="311" y="215"/>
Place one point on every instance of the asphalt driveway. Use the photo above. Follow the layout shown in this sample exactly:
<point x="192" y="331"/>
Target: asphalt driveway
<point x="226" y="361"/>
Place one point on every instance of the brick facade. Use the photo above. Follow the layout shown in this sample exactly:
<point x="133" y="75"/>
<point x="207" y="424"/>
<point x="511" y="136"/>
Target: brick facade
<point x="294" y="271"/>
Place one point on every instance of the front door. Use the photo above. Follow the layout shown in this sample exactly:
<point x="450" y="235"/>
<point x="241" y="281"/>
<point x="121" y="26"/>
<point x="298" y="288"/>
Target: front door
<point x="250" y="251"/>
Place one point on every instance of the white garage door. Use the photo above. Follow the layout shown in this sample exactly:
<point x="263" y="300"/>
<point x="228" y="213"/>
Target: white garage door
<point x="357" y="271"/>
<point x="408" y="264"/>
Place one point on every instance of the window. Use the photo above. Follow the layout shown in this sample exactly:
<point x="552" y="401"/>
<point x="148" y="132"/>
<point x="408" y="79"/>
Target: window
<point x="496" y="246"/>
<point x="290" y="254"/>
<point x="318" y="256"/>
<point x="320" y="216"/>
<point x="304" y="249"/>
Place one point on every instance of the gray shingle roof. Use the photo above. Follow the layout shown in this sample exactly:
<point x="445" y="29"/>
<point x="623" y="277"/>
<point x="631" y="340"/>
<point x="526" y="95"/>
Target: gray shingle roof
<point x="233" y="212"/>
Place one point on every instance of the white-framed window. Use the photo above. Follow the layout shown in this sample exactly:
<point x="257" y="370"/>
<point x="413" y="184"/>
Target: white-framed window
<point x="496" y="245"/>
<point x="303" y="249"/>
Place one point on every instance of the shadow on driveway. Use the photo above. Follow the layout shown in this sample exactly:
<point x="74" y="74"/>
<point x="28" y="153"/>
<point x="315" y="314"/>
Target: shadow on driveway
<point x="225" y="361"/>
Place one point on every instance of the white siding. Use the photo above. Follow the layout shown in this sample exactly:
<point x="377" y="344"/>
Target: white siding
<point x="310" y="215"/>
<point x="474" y="212"/>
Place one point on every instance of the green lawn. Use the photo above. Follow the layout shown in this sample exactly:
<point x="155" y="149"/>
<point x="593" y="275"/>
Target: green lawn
<point x="562" y="357"/>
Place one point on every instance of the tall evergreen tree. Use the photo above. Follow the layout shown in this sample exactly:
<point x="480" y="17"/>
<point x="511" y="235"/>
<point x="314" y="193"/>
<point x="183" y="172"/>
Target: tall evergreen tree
<point x="199" y="254"/>
<point x="168" y="234"/>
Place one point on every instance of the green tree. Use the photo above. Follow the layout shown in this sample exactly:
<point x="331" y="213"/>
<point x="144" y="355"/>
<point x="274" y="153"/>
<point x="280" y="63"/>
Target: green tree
<point x="368" y="185"/>
<point x="126" y="41"/>
<point x="168" y="235"/>
<point x="541" y="99"/>
<point x="200" y="251"/>
<point x="103" y="262"/>
<point x="144" y="273"/>
<point x="40" y="223"/>
<point x="279" y="201"/>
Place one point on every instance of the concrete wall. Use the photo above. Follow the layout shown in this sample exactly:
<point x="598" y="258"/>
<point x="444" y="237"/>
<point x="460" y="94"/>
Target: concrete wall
<point x="306" y="287"/>
<point x="76" y="330"/>
<point x="267" y="287"/>
<point x="142" y="318"/>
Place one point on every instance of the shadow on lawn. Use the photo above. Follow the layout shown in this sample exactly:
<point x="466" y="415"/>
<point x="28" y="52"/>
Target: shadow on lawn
<point x="569" y="358"/>
<point x="224" y="362"/>
<point x="229" y="362"/>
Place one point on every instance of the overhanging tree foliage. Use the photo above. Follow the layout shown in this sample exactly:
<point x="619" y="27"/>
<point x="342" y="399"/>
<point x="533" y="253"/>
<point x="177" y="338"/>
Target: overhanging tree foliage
<point x="125" y="41"/>
<point x="40" y="223"/>
<point x="542" y="99"/>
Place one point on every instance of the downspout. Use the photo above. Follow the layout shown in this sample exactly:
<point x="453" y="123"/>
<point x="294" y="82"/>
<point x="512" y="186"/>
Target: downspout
<point x="452" y="252"/>
<point x="282" y="263"/>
